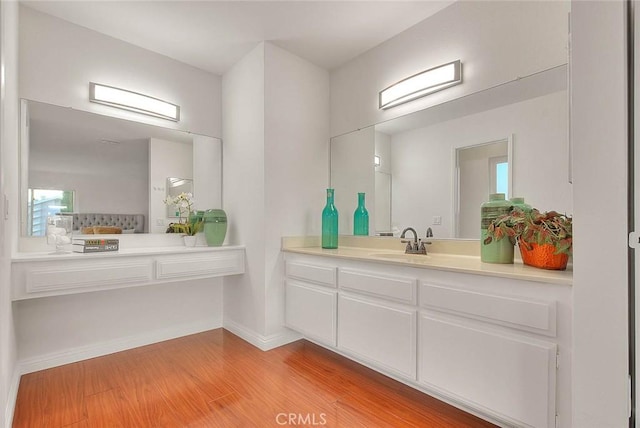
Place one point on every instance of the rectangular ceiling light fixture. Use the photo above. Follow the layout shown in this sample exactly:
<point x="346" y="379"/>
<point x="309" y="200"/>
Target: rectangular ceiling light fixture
<point x="133" y="101"/>
<point x="421" y="84"/>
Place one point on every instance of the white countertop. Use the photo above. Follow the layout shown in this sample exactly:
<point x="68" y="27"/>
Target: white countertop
<point x="441" y="261"/>
<point x="122" y="252"/>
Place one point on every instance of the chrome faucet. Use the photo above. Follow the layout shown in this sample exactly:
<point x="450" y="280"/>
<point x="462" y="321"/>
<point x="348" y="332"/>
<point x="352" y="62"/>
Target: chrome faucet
<point x="417" y="246"/>
<point x="410" y="229"/>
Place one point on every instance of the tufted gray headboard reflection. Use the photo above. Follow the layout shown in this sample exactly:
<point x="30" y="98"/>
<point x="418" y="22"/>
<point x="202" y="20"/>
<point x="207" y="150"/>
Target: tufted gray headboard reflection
<point x="127" y="222"/>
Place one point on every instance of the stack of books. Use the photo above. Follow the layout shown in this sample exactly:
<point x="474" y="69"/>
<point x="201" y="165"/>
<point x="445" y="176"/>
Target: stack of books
<point x="94" y="245"/>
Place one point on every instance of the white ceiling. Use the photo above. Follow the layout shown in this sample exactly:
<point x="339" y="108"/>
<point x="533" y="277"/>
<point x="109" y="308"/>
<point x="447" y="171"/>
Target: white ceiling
<point x="214" y="35"/>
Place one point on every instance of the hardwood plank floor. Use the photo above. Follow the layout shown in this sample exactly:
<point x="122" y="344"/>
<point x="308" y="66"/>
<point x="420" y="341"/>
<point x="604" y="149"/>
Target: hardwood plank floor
<point x="215" y="379"/>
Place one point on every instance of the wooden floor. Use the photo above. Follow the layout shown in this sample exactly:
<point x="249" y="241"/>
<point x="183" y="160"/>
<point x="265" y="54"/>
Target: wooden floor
<point x="215" y="379"/>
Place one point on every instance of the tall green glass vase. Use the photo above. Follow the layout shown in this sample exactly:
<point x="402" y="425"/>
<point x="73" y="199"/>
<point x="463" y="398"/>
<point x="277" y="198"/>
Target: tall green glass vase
<point x="361" y="218"/>
<point x="330" y="223"/>
<point x="496" y="251"/>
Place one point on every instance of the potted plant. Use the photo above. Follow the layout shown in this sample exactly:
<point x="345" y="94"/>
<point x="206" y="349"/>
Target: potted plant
<point x="545" y="239"/>
<point x="191" y="224"/>
<point x="189" y="230"/>
<point x="183" y="202"/>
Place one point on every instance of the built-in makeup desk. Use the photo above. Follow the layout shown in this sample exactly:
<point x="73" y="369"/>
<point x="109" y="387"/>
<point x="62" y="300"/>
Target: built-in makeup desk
<point x="42" y="274"/>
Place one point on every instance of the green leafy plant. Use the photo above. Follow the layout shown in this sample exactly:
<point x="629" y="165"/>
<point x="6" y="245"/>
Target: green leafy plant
<point x="184" y="203"/>
<point x="533" y="227"/>
<point x="189" y="228"/>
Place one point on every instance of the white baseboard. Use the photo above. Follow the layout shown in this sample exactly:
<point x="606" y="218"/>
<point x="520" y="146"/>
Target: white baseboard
<point x="73" y="355"/>
<point x="260" y="341"/>
<point x="11" y="399"/>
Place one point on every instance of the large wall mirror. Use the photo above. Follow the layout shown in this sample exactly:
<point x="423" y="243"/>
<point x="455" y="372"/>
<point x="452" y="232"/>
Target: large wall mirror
<point x="79" y="162"/>
<point x="433" y="168"/>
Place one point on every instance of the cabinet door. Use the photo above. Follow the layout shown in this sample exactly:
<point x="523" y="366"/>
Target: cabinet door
<point x="512" y="376"/>
<point x="378" y="332"/>
<point x="311" y="310"/>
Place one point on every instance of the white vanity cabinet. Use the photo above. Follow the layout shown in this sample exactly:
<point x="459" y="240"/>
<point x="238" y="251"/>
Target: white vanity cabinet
<point x="36" y="275"/>
<point x="311" y="300"/>
<point x="377" y="320"/>
<point x="466" y="352"/>
<point x="490" y="345"/>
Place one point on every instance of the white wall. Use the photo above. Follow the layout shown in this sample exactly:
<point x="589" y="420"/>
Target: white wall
<point x="8" y="186"/>
<point x="426" y="155"/>
<point x="166" y="159"/>
<point x="296" y="155"/>
<point x="496" y="41"/>
<point x="59" y="59"/>
<point x="53" y="327"/>
<point x="276" y="132"/>
<point x="243" y="169"/>
<point x="598" y="127"/>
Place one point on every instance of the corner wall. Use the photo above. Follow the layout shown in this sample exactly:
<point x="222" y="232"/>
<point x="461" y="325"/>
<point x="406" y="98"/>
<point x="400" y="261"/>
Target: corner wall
<point x="276" y="133"/>
<point x="296" y="162"/>
<point x="244" y="190"/>
<point x="599" y="135"/>
<point x="9" y="112"/>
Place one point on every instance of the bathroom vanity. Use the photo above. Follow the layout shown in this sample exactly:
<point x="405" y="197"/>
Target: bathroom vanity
<point x="492" y="339"/>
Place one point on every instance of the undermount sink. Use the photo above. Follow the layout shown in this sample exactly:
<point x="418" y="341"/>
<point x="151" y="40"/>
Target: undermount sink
<point x="413" y="258"/>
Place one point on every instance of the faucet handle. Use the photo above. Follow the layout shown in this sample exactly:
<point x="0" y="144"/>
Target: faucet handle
<point x="408" y="248"/>
<point x="423" y="249"/>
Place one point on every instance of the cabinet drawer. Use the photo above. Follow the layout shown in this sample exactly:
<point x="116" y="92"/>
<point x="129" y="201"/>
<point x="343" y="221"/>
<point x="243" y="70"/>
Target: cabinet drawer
<point x="203" y="265"/>
<point x="49" y="277"/>
<point x="312" y="311"/>
<point x="512" y="376"/>
<point x="526" y="314"/>
<point x="325" y="275"/>
<point x="382" y="334"/>
<point x="400" y="289"/>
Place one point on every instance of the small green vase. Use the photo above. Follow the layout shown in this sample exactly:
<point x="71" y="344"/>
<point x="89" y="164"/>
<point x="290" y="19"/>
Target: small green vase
<point x="215" y="227"/>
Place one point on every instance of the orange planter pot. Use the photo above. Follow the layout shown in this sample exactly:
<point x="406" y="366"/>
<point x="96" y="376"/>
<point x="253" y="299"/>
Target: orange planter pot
<point x="542" y="256"/>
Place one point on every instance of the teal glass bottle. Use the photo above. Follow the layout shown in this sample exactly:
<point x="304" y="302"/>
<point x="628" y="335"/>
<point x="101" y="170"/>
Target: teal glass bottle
<point x="330" y="223"/>
<point x="361" y="218"/>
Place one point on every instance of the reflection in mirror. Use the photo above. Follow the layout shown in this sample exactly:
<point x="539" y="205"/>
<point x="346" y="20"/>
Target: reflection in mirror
<point x="175" y="186"/>
<point x="109" y="166"/>
<point x="382" y="202"/>
<point x="480" y="171"/>
<point x="42" y="203"/>
<point x="419" y="153"/>
<point x="352" y="172"/>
